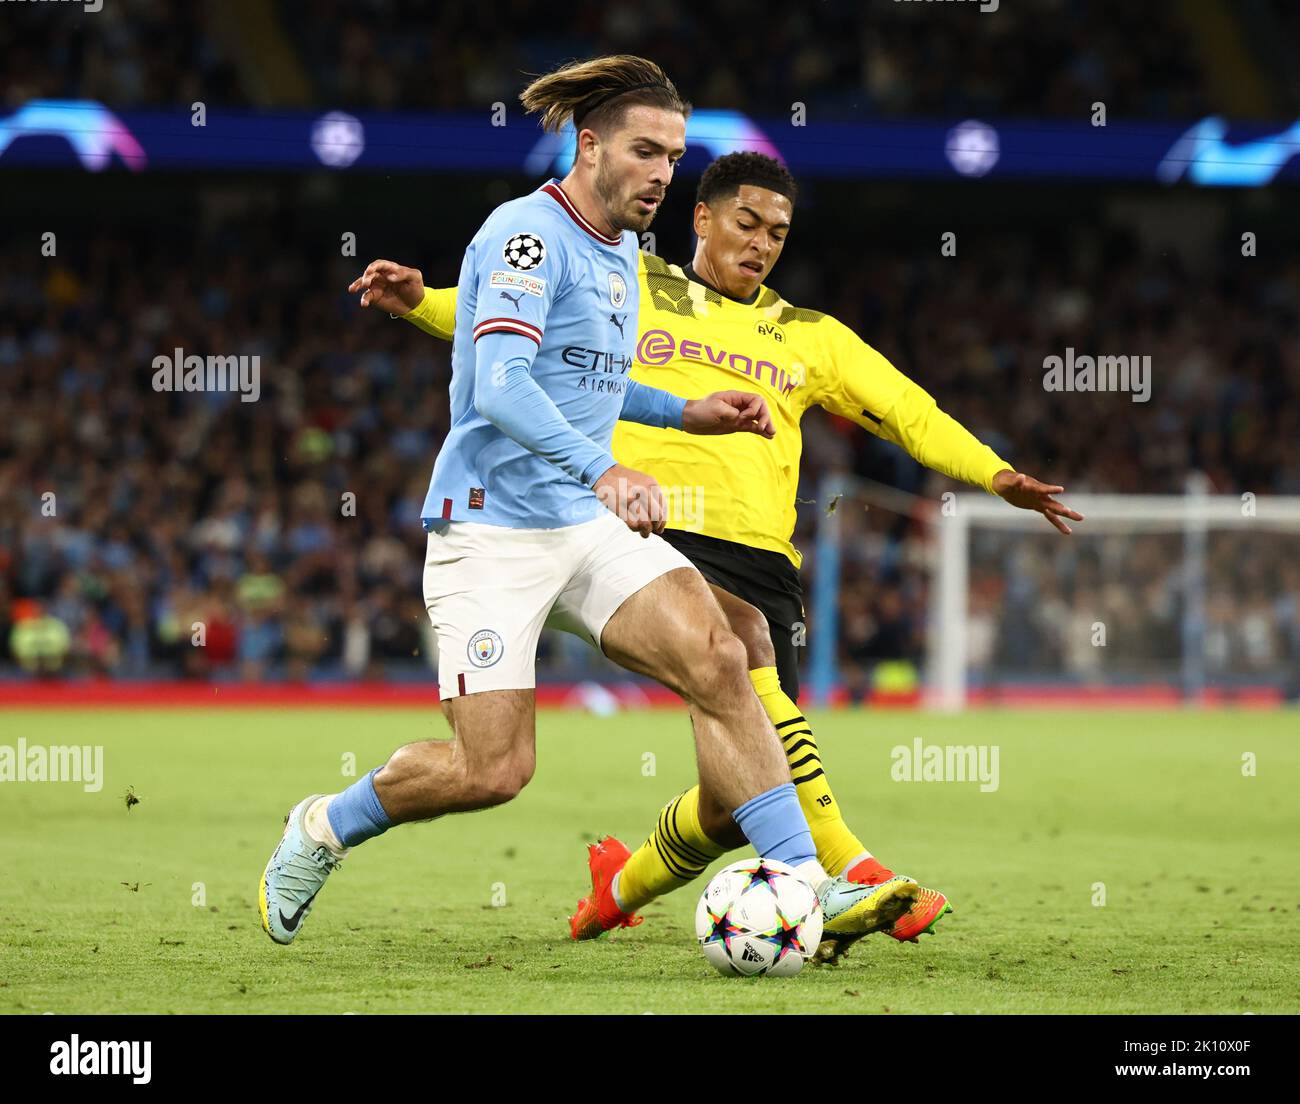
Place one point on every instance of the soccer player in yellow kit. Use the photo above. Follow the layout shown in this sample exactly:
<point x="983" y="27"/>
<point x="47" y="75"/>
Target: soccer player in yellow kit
<point x="714" y="324"/>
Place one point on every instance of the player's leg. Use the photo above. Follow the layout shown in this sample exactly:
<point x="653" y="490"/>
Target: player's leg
<point x="694" y="828"/>
<point x="652" y="613"/>
<point x="475" y="576"/>
<point x="772" y="661"/>
<point x="672" y="630"/>
<point x="488" y="760"/>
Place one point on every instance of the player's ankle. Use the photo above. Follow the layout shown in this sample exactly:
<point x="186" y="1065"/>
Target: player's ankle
<point x="614" y="897"/>
<point x="316" y="823"/>
<point x="866" y="870"/>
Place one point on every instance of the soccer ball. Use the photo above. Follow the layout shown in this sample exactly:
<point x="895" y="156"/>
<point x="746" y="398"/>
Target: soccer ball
<point x="756" y="917"/>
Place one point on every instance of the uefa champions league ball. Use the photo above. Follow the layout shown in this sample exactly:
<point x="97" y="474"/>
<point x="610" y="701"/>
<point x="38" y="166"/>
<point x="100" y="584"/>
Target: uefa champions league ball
<point x="757" y="917"/>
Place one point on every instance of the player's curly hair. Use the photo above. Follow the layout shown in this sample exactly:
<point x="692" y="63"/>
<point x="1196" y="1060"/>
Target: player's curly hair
<point x="725" y="177"/>
<point x="595" y="93"/>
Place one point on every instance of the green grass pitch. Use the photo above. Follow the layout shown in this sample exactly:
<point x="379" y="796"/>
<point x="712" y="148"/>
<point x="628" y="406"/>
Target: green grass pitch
<point x="1197" y="860"/>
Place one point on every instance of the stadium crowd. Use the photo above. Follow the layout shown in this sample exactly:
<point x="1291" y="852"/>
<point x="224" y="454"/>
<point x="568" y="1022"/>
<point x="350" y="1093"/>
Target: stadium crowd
<point x="1053" y="58"/>
<point x="287" y="530"/>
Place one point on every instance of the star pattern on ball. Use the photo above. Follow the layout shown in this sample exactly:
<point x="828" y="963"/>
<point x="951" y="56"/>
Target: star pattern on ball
<point x="785" y="937"/>
<point x="723" y="930"/>
<point x="763" y="874"/>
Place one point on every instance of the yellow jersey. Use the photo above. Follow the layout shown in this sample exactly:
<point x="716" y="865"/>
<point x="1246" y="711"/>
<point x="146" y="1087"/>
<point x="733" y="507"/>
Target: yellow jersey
<point x="741" y="487"/>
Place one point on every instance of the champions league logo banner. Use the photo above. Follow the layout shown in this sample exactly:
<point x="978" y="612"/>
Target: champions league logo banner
<point x="93" y="137"/>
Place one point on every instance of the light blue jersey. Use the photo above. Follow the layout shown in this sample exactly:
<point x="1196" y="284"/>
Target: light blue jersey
<point x="546" y="328"/>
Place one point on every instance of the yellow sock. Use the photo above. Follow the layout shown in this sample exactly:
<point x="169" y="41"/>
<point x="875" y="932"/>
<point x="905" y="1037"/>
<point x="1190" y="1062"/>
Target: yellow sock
<point x="836" y="845"/>
<point x="676" y="853"/>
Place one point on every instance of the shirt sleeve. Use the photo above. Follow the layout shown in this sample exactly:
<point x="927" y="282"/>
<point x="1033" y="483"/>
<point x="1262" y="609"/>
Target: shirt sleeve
<point x="860" y="384"/>
<point x="506" y="394"/>
<point x="436" y="313"/>
<point x="516" y="279"/>
<point x="652" y="406"/>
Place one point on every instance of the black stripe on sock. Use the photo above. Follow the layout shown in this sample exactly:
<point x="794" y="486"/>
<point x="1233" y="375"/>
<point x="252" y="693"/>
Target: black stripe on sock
<point x="809" y="777"/>
<point x="810" y="758"/>
<point x="673" y="868"/>
<point x="802" y="743"/>
<point x="792" y="720"/>
<point x="691" y="872"/>
<point x="675" y="835"/>
<point x="796" y="732"/>
<point x="686" y="859"/>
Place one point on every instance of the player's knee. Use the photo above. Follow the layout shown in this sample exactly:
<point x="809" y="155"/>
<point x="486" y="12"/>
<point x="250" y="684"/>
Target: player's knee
<point x="717" y="667"/>
<point x="502" y="781"/>
<point x="750" y="626"/>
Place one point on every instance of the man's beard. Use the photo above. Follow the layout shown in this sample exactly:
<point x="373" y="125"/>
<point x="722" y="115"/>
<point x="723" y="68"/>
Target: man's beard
<point x="606" y="186"/>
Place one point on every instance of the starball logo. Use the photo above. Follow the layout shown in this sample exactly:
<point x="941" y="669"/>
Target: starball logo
<point x="659" y="347"/>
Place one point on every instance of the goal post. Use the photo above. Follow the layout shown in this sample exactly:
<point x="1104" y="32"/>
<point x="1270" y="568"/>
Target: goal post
<point x="1187" y="593"/>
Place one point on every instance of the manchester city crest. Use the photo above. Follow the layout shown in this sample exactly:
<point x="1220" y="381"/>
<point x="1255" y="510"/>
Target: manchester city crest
<point x="485" y="648"/>
<point x="617" y="290"/>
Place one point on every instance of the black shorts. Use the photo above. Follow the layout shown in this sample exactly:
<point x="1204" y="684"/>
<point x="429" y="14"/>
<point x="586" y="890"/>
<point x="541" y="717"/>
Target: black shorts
<point x="764" y="579"/>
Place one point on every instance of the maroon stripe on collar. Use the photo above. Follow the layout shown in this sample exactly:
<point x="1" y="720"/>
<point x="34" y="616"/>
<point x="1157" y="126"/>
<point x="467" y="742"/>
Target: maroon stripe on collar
<point x="557" y="194"/>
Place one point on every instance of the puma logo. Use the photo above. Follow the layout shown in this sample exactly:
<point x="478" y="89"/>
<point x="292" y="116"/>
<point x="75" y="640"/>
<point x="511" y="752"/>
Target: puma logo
<point x="514" y="299"/>
<point x="618" y="322"/>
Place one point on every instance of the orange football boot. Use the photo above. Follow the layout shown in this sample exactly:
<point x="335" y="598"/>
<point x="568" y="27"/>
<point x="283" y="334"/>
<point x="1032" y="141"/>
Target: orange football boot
<point x="928" y="907"/>
<point x="599" y="912"/>
<point x="925" y="911"/>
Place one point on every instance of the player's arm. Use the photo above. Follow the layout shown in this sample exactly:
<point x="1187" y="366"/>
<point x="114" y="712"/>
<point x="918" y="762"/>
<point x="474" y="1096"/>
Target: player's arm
<point x="506" y="394"/>
<point x="514" y="403"/>
<point x="507" y="334"/>
<point x="865" y="387"/>
<point x="399" y="290"/>
<point x="721" y="412"/>
<point x="435" y="313"/>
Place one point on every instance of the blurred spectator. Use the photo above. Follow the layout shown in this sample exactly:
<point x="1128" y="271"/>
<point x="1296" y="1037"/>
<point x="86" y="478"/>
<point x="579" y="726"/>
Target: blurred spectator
<point x="188" y="534"/>
<point x="1049" y="58"/>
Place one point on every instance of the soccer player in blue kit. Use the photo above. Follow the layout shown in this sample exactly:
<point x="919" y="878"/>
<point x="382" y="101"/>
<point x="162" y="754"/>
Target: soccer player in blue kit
<point x="531" y="522"/>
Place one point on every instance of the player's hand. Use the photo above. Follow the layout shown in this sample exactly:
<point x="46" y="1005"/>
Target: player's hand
<point x="389" y="286"/>
<point x="1026" y="492"/>
<point x="633" y="496"/>
<point x="728" y="412"/>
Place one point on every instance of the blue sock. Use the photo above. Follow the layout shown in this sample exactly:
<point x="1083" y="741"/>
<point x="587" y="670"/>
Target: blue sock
<point x="775" y="825"/>
<point x="356" y="814"/>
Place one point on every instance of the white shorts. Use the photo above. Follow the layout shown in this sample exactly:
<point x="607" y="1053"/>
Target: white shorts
<point x="490" y="590"/>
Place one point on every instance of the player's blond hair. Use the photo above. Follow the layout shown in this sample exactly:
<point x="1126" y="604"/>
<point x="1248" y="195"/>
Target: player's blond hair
<point x="596" y="92"/>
